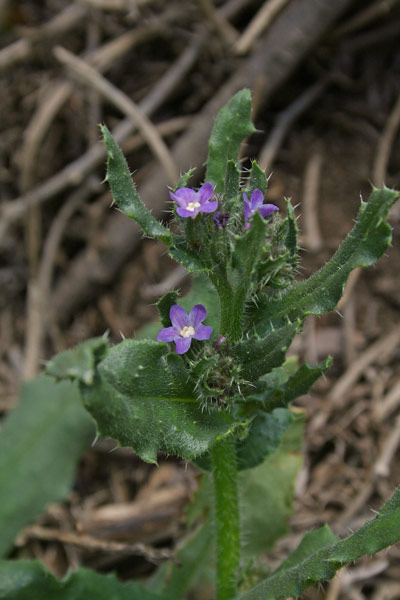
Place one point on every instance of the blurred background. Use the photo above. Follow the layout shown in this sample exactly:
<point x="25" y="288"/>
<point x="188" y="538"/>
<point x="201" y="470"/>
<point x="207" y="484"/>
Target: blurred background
<point x="325" y="79"/>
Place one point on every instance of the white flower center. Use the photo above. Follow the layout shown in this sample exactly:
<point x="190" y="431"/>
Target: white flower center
<point x="192" y="207"/>
<point x="187" y="331"/>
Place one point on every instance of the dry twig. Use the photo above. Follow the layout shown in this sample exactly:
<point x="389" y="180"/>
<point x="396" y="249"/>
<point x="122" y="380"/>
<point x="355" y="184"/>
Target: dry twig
<point x="385" y="145"/>
<point x="88" y="542"/>
<point x="312" y="238"/>
<point x="92" y="77"/>
<point x="285" y="120"/>
<point x="259" y="23"/>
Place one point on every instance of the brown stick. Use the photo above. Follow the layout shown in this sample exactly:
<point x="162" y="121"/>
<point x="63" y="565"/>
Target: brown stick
<point x="125" y="105"/>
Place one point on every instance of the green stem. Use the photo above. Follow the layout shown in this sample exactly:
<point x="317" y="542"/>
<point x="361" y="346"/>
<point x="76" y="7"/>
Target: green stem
<point x="224" y="471"/>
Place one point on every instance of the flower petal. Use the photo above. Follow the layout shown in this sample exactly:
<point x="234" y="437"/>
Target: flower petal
<point x="183" y="196"/>
<point x="179" y="317"/>
<point x="182" y="212"/>
<point x="257" y="198"/>
<point x="267" y="209"/>
<point x="168" y="334"/>
<point x="208" y="207"/>
<point x="197" y="315"/>
<point x="205" y="193"/>
<point x="182" y="344"/>
<point x="247" y="208"/>
<point x="203" y="332"/>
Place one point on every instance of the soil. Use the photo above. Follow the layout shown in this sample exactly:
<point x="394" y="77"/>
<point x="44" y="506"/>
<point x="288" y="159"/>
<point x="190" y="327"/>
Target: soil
<point x="340" y="143"/>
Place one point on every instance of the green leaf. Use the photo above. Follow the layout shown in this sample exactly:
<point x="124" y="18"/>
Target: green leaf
<point x="232" y="184"/>
<point x="30" y="580"/>
<point x="311" y="543"/>
<point x="41" y="442"/>
<point x="258" y="356"/>
<point x="124" y="191"/>
<point x="322" y="563"/>
<point x="78" y="363"/>
<point x="257" y="181"/>
<point x="291" y="231"/>
<point x="245" y="259"/>
<point x="203" y="292"/>
<point x="274" y="394"/>
<point x="164" y="305"/>
<point x="186" y="256"/>
<point x="143" y="398"/>
<point x="193" y="558"/>
<point x="365" y="243"/>
<point x="185" y="178"/>
<point x="265" y="434"/>
<point x="268" y="491"/>
<point x="232" y="125"/>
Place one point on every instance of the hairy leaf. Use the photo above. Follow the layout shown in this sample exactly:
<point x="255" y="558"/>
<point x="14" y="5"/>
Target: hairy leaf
<point x="80" y="362"/>
<point x="232" y="125"/>
<point x="322" y="564"/>
<point x="274" y="393"/>
<point x="30" y="580"/>
<point x="186" y="256"/>
<point x="124" y="191"/>
<point x="164" y="305"/>
<point x="257" y="180"/>
<point x="365" y="243"/>
<point x="143" y="398"/>
<point x="258" y="356"/>
<point x="41" y="442"/>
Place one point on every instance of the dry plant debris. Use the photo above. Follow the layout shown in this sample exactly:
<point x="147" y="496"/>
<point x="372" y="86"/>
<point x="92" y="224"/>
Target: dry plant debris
<point x="327" y="108"/>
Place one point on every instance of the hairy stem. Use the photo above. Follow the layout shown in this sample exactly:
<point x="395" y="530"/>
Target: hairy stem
<point x="224" y="471"/>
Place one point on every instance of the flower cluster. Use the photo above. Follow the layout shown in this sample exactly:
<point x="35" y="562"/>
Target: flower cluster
<point x="191" y="203"/>
<point x="185" y="327"/>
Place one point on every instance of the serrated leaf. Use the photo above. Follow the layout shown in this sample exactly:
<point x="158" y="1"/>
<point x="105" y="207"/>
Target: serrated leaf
<point x="164" y="306"/>
<point x="265" y="433"/>
<point x="232" y="183"/>
<point x="41" y="442"/>
<point x="124" y="191"/>
<point x="30" y="580"/>
<point x="143" y="398"/>
<point x="258" y="180"/>
<point x="258" y="356"/>
<point x="365" y="243"/>
<point x="311" y="543"/>
<point x="292" y="230"/>
<point x="185" y="178"/>
<point x="232" y="124"/>
<point x="322" y="564"/>
<point x="186" y="256"/>
<point x="245" y="259"/>
<point x="80" y="362"/>
<point x="281" y="393"/>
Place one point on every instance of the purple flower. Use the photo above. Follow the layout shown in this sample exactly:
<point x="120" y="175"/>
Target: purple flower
<point x="221" y="219"/>
<point x="191" y="202"/>
<point x="256" y="204"/>
<point x="185" y="327"/>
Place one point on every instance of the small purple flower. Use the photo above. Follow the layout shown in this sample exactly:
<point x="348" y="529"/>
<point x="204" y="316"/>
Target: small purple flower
<point x="256" y="204"/>
<point x="190" y="203"/>
<point x="185" y="327"/>
<point x="221" y="219"/>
